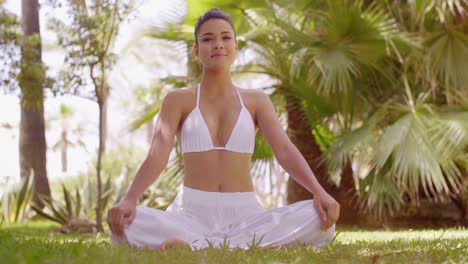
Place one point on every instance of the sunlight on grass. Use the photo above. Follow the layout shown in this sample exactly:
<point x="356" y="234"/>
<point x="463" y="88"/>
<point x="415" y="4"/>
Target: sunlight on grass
<point x="408" y="235"/>
<point x="34" y="243"/>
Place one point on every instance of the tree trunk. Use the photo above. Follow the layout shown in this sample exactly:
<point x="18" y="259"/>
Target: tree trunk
<point x="32" y="142"/>
<point x="102" y="102"/>
<point x="64" y="147"/>
<point x="300" y="134"/>
<point x="347" y="198"/>
<point x="103" y="120"/>
<point x="462" y="205"/>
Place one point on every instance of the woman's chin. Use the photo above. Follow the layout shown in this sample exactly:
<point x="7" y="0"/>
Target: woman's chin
<point x="218" y="67"/>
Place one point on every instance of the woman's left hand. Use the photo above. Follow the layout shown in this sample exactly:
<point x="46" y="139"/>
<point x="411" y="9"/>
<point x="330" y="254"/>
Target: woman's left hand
<point x="328" y="209"/>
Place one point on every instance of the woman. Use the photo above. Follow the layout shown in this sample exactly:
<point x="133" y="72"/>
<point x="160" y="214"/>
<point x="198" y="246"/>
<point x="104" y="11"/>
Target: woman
<point x="216" y="123"/>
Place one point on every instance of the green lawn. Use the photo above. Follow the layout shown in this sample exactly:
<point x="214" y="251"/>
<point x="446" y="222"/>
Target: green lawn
<point x="33" y="243"/>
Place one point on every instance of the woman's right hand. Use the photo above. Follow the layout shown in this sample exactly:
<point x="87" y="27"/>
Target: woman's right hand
<point x="120" y="216"/>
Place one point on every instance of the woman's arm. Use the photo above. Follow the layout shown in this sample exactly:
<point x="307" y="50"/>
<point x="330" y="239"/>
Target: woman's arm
<point x="161" y="146"/>
<point x="123" y="213"/>
<point x="284" y="150"/>
<point x="292" y="160"/>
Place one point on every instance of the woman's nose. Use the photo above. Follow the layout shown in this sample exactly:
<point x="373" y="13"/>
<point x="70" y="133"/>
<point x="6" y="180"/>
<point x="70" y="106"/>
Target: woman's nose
<point x="218" y="45"/>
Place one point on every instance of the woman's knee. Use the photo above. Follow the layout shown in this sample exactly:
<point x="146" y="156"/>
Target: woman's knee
<point x="313" y="232"/>
<point x="117" y="239"/>
<point x="326" y="237"/>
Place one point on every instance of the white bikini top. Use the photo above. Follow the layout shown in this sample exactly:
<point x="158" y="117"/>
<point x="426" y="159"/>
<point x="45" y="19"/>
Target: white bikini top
<point x="195" y="135"/>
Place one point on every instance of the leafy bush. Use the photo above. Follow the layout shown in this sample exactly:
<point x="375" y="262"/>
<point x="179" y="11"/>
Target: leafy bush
<point x="67" y="213"/>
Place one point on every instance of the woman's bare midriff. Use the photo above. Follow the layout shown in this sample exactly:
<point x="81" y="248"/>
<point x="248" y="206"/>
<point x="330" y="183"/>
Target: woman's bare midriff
<point x="218" y="171"/>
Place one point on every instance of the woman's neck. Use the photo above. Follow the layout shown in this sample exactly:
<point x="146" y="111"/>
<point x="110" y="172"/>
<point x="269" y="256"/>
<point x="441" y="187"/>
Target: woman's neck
<point x="217" y="83"/>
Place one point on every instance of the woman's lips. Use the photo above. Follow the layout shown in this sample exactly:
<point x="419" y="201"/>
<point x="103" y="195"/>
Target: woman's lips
<point x="217" y="55"/>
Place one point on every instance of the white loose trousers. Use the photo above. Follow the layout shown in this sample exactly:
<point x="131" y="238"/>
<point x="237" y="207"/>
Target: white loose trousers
<point x="202" y="218"/>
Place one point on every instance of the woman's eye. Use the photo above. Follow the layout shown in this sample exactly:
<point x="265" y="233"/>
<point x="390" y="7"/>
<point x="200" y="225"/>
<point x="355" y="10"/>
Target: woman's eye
<point x="205" y="40"/>
<point x="227" y="37"/>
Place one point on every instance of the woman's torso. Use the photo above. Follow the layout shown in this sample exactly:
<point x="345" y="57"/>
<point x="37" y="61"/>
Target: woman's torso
<point x="217" y="170"/>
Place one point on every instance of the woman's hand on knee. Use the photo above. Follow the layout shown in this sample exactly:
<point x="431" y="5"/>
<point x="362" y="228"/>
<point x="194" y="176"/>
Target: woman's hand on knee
<point x="328" y="209"/>
<point x="120" y="216"/>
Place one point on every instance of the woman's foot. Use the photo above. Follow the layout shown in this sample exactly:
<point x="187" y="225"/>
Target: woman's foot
<point x="174" y="243"/>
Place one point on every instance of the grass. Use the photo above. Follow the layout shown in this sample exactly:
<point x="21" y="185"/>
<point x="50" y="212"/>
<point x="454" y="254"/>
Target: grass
<point x="33" y="243"/>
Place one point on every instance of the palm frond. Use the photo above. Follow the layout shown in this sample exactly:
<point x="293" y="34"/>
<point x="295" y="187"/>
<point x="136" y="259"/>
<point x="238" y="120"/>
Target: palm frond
<point x="242" y="12"/>
<point x="147" y="117"/>
<point x="440" y="10"/>
<point x="356" y="144"/>
<point x="352" y="39"/>
<point x="417" y="147"/>
<point x="447" y="58"/>
<point x="379" y="195"/>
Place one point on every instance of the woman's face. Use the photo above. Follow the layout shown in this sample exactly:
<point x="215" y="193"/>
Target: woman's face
<point x="217" y="47"/>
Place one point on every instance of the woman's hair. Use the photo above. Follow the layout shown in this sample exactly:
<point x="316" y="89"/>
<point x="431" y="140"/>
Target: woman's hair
<point x="213" y="13"/>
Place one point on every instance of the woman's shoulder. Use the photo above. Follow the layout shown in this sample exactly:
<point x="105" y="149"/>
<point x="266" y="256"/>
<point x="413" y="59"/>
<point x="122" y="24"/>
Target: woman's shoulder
<point x="252" y="92"/>
<point x="183" y="98"/>
<point x="253" y="96"/>
<point x="180" y="94"/>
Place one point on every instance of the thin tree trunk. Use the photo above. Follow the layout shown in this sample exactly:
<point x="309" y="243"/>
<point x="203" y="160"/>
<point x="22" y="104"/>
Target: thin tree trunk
<point x="103" y="135"/>
<point x="32" y="142"/>
<point x="102" y="102"/>
<point x="64" y="147"/>
<point x="102" y="95"/>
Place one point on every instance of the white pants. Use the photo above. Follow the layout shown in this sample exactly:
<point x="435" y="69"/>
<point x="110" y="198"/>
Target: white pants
<point x="202" y="218"/>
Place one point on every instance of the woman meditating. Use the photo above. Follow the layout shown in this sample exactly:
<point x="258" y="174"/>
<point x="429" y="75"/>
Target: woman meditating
<point x="215" y="122"/>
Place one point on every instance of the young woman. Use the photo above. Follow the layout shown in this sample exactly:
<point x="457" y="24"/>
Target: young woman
<point x="216" y="122"/>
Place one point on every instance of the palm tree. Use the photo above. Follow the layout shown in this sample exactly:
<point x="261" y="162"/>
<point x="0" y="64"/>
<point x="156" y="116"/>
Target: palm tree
<point x="408" y="145"/>
<point x="69" y="135"/>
